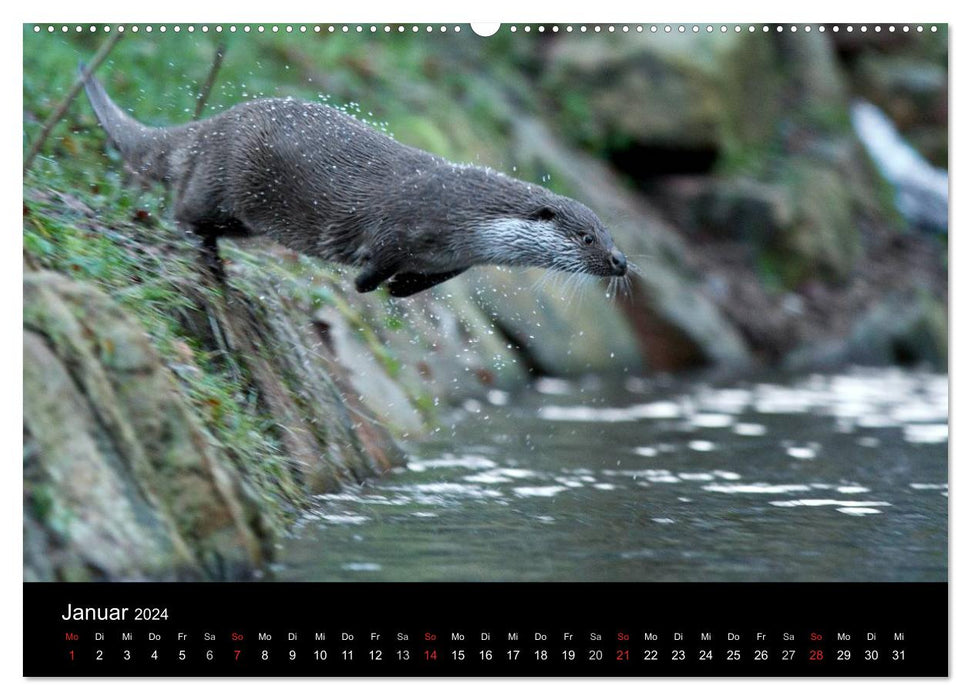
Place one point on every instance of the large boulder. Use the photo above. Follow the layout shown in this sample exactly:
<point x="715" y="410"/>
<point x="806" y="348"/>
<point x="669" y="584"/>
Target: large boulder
<point x="121" y="480"/>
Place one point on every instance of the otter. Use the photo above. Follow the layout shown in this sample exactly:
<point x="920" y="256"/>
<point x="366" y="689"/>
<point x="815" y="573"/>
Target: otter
<point x="324" y="183"/>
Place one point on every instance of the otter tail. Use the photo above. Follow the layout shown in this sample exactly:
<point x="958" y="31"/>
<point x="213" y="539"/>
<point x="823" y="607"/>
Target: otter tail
<point x="145" y="149"/>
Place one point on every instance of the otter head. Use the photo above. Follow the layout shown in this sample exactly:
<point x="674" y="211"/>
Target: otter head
<point x="575" y="239"/>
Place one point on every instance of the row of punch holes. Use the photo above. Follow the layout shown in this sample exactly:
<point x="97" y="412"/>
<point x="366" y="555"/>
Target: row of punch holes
<point x="414" y="28"/>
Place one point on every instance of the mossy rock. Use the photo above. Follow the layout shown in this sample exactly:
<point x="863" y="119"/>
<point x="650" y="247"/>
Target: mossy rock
<point x="123" y="475"/>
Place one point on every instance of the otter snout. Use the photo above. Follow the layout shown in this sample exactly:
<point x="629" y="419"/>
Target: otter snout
<point x="618" y="262"/>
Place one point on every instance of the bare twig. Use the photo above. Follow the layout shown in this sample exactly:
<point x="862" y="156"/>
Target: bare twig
<point x="61" y="108"/>
<point x="207" y="88"/>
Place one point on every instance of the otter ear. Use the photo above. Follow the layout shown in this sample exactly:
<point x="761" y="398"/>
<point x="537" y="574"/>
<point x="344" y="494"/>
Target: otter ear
<point x="544" y="213"/>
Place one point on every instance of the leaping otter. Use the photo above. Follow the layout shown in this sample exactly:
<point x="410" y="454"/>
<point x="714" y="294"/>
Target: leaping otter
<point x="324" y="183"/>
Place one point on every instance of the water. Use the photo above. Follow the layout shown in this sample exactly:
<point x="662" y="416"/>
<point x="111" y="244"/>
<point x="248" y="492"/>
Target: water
<point x="819" y="478"/>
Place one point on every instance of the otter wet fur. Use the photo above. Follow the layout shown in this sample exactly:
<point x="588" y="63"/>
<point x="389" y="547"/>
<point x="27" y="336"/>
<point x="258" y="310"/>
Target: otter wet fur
<point x="325" y="184"/>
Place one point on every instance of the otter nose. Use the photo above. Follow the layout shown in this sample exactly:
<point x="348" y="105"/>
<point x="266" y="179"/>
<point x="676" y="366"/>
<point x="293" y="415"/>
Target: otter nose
<point x="618" y="261"/>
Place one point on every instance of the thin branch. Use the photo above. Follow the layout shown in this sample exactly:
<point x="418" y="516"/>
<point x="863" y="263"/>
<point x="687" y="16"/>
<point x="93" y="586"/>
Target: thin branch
<point x="62" y="107"/>
<point x="217" y="61"/>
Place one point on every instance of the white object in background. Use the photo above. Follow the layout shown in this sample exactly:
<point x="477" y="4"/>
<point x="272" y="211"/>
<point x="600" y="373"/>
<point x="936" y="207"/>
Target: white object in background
<point x="921" y="188"/>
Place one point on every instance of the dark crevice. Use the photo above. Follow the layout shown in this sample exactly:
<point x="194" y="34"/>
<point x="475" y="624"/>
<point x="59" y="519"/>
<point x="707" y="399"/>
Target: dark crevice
<point x="643" y="162"/>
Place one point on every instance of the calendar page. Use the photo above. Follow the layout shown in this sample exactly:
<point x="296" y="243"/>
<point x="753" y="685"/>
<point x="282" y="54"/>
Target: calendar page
<point x="485" y="349"/>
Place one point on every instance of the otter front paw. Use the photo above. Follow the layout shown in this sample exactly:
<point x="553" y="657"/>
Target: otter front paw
<point x="371" y="277"/>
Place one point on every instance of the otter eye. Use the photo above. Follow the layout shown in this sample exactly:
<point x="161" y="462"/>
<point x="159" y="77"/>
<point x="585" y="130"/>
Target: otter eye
<point x="544" y="213"/>
<point x="588" y="239"/>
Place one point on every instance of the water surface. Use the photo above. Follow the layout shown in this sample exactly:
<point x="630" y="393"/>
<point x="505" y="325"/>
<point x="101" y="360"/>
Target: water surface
<point x="818" y="478"/>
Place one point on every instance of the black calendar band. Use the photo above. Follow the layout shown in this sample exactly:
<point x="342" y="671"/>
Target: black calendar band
<point x="472" y="629"/>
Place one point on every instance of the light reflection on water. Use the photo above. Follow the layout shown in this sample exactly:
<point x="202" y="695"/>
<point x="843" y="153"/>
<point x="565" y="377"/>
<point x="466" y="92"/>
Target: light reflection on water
<point x="821" y="478"/>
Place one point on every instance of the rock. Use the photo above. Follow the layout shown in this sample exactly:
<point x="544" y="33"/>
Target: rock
<point x="122" y="480"/>
<point x="902" y="329"/>
<point x="737" y="208"/>
<point x="330" y="436"/>
<point x="653" y="91"/>
<point x="823" y="240"/>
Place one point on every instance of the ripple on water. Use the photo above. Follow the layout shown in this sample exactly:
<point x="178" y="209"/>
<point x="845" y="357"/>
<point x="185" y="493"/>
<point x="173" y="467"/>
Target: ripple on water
<point x="756" y="488"/>
<point x="846" y="507"/>
<point x="463" y="461"/>
<point x="712" y="420"/>
<point x="361" y="566"/>
<point x="933" y="433"/>
<point x="805" y="452"/>
<point x="538" y="491"/>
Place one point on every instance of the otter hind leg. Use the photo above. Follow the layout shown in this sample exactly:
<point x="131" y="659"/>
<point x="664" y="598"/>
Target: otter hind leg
<point x="209" y="234"/>
<point x="408" y="283"/>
